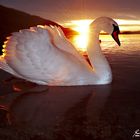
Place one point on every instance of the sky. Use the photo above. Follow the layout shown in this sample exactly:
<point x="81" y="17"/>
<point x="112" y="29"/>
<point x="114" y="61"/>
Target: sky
<point x="64" y="10"/>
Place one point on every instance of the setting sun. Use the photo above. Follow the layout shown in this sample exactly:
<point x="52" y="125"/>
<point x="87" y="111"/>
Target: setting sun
<point x="82" y="27"/>
<point x="80" y="41"/>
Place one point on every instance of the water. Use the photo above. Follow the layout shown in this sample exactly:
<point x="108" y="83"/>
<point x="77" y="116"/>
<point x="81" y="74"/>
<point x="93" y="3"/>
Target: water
<point x="129" y="44"/>
<point x="108" y="112"/>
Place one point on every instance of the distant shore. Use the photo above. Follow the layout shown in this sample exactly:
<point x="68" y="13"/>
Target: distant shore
<point x="125" y="32"/>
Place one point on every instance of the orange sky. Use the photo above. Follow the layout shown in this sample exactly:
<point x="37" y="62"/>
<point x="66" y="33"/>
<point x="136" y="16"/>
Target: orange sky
<point x="59" y="10"/>
<point x="129" y="25"/>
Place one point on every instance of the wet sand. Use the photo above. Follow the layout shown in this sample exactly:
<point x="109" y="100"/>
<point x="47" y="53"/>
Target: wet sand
<point x="109" y="112"/>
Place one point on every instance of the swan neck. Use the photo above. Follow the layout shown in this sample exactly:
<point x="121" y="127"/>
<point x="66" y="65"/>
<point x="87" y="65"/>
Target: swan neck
<point x="98" y="61"/>
<point x="94" y="45"/>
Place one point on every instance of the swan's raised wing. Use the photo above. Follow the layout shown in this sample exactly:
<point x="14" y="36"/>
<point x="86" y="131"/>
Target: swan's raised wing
<point x="26" y="52"/>
<point x="61" y="42"/>
<point x="34" y="55"/>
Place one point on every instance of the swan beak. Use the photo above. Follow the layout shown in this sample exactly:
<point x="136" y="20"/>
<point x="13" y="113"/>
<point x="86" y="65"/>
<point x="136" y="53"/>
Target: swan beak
<point x="115" y="34"/>
<point x="116" y="37"/>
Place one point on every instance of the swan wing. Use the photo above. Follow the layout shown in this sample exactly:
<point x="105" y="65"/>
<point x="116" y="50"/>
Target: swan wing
<point x="33" y="55"/>
<point x="64" y="44"/>
<point x="25" y="53"/>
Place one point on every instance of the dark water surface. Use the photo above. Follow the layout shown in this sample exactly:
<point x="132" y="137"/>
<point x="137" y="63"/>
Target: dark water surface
<point x="109" y="112"/>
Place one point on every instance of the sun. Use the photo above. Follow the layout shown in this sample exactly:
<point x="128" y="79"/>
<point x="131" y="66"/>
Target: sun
<point x="80" y="41"/>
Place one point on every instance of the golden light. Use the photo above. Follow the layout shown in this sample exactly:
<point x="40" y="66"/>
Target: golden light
<point x="80" y="41"/>
<point x="127" y="22"/>
<point x="129" y="25"/>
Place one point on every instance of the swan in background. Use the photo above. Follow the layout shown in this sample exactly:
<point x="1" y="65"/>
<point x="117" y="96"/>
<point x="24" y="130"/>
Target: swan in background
<point x="44" y="55"/>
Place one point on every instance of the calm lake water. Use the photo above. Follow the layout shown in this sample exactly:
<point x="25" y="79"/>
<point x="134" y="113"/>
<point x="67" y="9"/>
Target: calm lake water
<point x="109" y="112"/>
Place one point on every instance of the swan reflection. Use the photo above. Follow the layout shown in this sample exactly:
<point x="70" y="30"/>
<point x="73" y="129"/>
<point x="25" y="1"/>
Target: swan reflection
<point x="58" y="110"/>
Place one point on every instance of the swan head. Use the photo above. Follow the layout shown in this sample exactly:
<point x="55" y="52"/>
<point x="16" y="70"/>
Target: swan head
<point x="107" y="25"/>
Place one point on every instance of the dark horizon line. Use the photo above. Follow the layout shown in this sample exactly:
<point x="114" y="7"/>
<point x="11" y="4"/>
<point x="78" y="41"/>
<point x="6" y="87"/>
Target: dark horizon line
<point x="124" y="32"/>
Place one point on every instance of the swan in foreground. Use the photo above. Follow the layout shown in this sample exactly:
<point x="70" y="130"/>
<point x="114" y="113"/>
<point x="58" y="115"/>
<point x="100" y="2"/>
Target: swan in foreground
<point x="44" y="55"/>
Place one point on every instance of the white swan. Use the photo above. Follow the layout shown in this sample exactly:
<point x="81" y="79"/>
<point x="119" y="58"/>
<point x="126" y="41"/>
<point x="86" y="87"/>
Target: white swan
<point x="44" y="56"/>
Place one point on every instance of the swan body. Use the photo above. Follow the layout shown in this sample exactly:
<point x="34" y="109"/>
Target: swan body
<point x="44" y="55"/>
